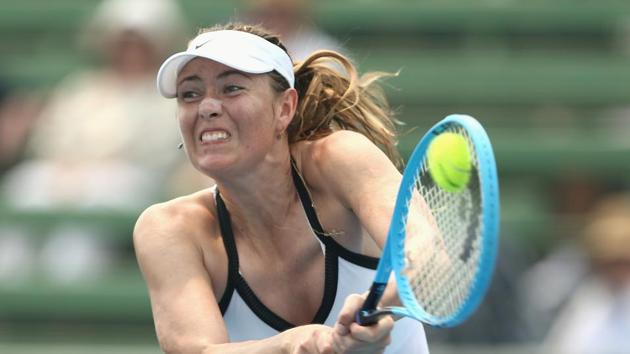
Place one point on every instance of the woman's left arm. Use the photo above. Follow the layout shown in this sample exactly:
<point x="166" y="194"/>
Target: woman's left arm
<point x="362" y="177"/>
<point x="365" y="181"/>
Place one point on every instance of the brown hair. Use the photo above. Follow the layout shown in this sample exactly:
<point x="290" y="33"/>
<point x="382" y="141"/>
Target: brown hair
<point x="330" y="99"/>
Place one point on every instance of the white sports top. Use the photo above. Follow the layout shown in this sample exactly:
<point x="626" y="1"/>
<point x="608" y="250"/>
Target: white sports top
<point x="346" y="272"/>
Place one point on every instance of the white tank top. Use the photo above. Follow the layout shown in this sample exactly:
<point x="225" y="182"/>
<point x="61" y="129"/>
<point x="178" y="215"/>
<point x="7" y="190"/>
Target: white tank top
<point x="346" y="272"/>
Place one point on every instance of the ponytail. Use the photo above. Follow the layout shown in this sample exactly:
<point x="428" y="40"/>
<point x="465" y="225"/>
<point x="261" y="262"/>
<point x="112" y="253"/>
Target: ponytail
<point x="329" y="101"/>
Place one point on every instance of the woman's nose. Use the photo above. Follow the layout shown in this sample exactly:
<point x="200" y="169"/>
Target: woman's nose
<point x="210" y="108"/>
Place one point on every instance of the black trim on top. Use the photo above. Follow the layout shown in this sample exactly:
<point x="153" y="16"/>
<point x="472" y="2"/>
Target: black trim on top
<point x="309" y="207"/>
<point x="355" y="258"/>
<point x="277" y="322"/>
<point x="236" y="280"/>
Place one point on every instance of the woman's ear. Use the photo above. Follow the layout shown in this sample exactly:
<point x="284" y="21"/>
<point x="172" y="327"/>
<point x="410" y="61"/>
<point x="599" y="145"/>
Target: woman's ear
<point x="285" y="110"/>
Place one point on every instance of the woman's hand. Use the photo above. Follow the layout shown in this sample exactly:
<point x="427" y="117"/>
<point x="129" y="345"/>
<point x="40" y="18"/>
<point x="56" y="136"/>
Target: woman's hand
<point x="308" y="339"/>
<point x="347" y="337"/>
<point x="350" y="337"/>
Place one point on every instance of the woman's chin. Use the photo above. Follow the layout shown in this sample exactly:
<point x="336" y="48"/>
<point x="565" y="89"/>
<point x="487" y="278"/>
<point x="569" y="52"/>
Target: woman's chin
<point x="215" y="165"/>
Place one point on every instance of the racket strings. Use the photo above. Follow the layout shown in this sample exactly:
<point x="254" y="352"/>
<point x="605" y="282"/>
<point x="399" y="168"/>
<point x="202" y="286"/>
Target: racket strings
<point x="442" y="257"/>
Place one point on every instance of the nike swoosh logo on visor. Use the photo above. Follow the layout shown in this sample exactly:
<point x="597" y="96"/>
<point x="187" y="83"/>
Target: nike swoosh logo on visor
<point x="202" y="44"/>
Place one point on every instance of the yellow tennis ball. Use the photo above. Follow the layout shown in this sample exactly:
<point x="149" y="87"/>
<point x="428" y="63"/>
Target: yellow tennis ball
<point x="449" y="161"/>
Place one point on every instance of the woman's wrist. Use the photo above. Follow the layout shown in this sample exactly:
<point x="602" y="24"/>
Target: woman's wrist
<point x="285" y="341"/>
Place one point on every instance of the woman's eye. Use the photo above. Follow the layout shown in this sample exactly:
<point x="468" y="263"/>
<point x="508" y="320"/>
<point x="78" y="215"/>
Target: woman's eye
<point x="187" y="95"/>
<point x="232" y="88"/>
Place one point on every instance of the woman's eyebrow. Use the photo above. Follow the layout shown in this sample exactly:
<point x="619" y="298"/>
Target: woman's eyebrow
<point x="233" y="72"/>
<point x="224" y="74"/>
<point x="193" y="77"/>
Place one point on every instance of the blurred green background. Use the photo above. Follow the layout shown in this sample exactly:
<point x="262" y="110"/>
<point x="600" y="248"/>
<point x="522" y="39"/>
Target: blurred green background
<point x="548" y="79"/>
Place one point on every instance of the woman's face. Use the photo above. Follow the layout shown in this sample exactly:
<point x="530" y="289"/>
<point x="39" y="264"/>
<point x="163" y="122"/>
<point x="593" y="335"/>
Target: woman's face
<point x="227" y="117"/>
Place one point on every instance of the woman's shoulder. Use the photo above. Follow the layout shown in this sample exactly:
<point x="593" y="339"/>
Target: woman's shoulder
<point x="181" y="216"/>
<point x="335" y="153"/>
<point x="338" y="145"/>
<point x="177" y="238"/>
<point x="339" y="142"/>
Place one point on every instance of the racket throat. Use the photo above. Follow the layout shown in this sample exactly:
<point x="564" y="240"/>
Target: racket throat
<point x="376" y="292"/>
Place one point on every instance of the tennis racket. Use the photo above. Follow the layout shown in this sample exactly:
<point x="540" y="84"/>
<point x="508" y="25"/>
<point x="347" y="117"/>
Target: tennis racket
<point x="441" y="244"/>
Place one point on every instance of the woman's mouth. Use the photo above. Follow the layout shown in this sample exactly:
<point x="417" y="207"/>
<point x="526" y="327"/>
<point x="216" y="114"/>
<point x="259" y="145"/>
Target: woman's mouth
<point x="214" y="136"/>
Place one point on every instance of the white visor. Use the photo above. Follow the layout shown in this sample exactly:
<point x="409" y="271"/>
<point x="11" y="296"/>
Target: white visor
<point x="239" y="50"/>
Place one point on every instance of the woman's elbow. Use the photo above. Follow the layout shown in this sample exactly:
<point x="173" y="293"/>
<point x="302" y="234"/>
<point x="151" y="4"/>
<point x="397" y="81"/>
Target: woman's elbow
<point x="174" y="344"/>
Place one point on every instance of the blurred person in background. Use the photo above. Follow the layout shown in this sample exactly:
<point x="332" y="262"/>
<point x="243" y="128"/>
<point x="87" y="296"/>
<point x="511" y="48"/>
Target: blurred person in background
<point x="596" y="317"/>
<point x="292" y="21"/>
<point x="99" y="140"/>
<point x="105" y="138"/>
<point x="552" y="278"/>
<point x="17" y="116"/>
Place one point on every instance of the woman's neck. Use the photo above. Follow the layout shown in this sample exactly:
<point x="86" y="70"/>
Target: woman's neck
<point x="261" y="200"/>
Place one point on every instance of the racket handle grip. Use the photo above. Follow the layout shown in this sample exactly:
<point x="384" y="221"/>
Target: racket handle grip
<point x="365" y="316"/>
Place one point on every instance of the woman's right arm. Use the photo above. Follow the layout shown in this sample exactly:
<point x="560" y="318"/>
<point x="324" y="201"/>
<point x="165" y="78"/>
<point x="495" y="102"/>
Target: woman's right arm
<point x="185" y="310"/>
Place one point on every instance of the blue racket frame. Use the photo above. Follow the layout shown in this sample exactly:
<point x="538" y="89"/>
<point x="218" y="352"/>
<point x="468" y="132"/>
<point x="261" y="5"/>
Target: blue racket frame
<point x="393" y="252"/>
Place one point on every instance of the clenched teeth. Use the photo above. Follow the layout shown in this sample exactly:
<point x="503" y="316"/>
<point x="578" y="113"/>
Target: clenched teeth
<point x="214" y="136"/>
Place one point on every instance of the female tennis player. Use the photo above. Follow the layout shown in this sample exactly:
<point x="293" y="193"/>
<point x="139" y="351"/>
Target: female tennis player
<point x="271" y="258"/>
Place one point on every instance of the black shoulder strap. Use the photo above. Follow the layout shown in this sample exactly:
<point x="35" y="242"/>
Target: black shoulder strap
<point x="307" y="204"/>
<point x="225" y="225"/>
<point x="311" y="214"/>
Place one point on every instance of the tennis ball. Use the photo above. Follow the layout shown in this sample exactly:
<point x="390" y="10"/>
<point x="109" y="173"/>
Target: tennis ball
<point x="449" y="161"/>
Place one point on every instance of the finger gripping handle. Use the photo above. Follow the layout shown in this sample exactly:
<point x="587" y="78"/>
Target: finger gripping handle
<point x="370" y="317"/>
<point x="366" y="317"/>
